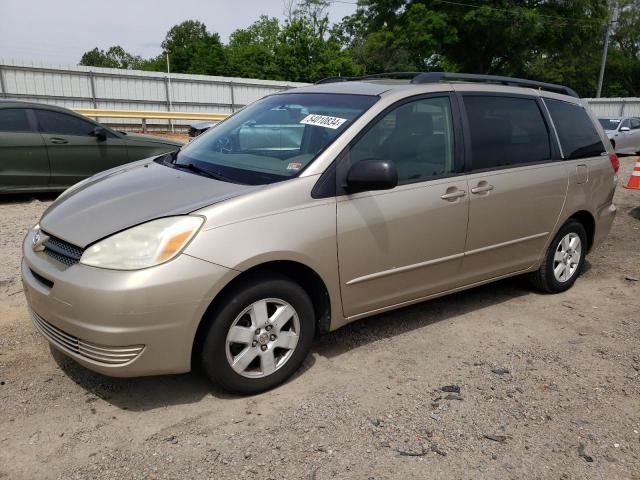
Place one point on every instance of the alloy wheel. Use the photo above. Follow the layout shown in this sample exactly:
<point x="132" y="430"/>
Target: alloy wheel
<point x="567" y="257"/>
<point x="262" y="338"/>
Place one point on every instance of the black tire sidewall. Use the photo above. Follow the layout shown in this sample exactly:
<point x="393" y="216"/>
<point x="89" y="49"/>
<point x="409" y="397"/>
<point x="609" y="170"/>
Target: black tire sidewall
<point x="569" y="227"/>
<point x="213" y="353"/>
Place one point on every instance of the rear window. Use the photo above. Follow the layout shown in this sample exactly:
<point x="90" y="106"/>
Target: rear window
<point x="61" y="123"/>
<point x="506" y="131"/>
<point x="578" y="136"/>
<point x="14" y="120"/>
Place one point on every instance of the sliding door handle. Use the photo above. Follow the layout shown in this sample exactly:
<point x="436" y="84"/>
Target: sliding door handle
<point x="482" y="188"/>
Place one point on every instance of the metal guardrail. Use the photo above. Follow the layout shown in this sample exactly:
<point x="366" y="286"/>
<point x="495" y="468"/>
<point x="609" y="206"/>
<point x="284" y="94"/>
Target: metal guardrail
<point x="150" y="114"/>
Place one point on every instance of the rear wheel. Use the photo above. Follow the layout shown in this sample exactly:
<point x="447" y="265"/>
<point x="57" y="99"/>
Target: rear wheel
<point x="564" y="259"/>
<point x="259" y="336"/>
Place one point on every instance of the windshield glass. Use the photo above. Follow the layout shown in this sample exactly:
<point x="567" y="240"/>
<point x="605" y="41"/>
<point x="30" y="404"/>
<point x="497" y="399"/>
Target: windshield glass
<point x="609" y="123"/>
<point x="274" y="138"/>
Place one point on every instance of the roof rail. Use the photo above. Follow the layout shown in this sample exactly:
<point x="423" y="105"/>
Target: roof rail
<point x="435" y="77"/>
<point x="391" y="75"/>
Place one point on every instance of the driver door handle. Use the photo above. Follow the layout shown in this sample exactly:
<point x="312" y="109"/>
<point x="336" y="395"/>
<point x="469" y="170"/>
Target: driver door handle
<point x="482" y="188"/>
<point x="58" y="140"/>
<point x="453" y="195"/>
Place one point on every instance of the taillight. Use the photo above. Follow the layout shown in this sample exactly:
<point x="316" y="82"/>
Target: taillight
<point x="615" y="163"/>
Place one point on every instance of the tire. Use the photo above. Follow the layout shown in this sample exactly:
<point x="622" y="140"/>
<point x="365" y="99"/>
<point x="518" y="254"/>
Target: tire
<point x="546" y="278"/>
<point x="273" y="329"/>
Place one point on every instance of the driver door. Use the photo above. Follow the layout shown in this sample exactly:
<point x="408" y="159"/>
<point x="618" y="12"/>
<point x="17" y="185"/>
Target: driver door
<point x="74" y="152"/>
<point x="399" y="245"/>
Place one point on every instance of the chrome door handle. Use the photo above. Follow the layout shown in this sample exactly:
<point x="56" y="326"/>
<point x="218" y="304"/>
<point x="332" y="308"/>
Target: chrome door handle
<point x="453" y="195"/>
<point x="59" y="141"/>
<point x="482" y="189"/>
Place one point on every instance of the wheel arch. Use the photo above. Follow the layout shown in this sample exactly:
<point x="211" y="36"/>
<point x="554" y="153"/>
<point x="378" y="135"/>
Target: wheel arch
<point x="300" y="273"/>
<point x="588" y="222"/>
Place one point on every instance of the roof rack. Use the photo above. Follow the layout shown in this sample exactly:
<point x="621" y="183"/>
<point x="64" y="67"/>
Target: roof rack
<point x="435" y="77"/>
<point x="390" y="75"/>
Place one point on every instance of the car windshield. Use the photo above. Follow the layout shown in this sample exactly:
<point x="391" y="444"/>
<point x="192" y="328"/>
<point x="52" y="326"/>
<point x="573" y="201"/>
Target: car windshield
<point x="274" y="138"/>
<point x="609" y="123"/>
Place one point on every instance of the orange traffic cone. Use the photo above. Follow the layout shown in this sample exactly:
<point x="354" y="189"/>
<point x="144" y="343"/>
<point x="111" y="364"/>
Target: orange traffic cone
<point x="634" y="179"/>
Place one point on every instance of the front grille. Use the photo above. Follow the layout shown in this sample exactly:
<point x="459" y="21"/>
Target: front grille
<point x="62" y="251"/>
<point x="102" y="354"/>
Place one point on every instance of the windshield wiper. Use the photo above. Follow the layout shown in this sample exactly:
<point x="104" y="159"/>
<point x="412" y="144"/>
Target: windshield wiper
<point x="202" y="171"/>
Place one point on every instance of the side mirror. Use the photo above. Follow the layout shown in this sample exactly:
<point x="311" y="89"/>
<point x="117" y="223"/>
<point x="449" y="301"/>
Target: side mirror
<point x="624" y="129"/>
<point x="100" y="134"/>
<point x="367" y="175"/>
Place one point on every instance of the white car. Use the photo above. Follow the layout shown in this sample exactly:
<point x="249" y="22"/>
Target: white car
<point x="624" y="133"/>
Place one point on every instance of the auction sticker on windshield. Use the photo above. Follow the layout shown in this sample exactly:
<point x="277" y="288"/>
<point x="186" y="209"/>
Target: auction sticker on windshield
<point x="323" y="121"/>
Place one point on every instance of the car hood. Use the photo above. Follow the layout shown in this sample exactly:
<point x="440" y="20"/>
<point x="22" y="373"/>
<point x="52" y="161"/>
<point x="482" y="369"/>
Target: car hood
<point x="150" y="139"/>
<point x="127" y="196"/>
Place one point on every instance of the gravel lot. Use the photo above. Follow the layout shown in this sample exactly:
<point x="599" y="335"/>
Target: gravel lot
<point x="548" y="388"/>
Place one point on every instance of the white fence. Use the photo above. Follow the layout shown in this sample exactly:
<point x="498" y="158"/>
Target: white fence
<point x="113" y="89"/>
<point x="615" y="107"/>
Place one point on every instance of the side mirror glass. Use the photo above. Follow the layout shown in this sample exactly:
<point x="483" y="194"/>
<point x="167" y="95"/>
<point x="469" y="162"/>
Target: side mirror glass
<point x="624" y="129"/>
<point x="367" y="175"/>
<point x="100" y="134"/>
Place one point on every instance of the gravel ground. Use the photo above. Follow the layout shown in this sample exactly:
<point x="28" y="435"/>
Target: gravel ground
<point x="495" y="382"/>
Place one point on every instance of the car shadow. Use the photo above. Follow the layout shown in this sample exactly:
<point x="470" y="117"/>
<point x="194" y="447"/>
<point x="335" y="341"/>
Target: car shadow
<point x="9" y="198"/>
<point x="148" y="393"/>
<point x="635" y="213"/>
<point x="407" y="319"/>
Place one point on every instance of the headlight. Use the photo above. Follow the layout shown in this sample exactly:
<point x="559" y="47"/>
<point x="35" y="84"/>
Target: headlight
<point x="146" y="245"/>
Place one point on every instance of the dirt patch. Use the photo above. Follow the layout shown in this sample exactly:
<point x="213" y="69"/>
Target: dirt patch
<point x="494" y="382"/>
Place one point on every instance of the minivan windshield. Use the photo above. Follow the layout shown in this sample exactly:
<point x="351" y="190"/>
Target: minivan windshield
<point x="609" y="123"/>
<point x="274" y="138"/>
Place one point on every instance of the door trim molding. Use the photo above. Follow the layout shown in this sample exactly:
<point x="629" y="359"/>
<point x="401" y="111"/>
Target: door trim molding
<point x="406" y="268"/>
<point x="414" y="266"/>
<point x="505" y="244"/>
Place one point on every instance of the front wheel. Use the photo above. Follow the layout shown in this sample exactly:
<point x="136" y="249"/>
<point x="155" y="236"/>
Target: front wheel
<point x="564" y="259"/>
<point x="259" y="335"/>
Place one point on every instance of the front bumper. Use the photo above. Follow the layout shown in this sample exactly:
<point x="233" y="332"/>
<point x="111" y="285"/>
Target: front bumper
<point x="121" y="323"/>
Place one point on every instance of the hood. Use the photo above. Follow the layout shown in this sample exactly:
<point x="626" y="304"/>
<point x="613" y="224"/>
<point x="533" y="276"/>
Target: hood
<point x="150" y="139"/>
<point x="124" y="197"/>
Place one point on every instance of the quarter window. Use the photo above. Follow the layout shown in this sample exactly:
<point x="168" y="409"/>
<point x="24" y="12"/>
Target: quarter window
<point x="416" y="136"/>
<point x="14" y="120"/>
<point x="506" y="131"/>
<point x="61" y="123"/>
<point x="578" y="136"/>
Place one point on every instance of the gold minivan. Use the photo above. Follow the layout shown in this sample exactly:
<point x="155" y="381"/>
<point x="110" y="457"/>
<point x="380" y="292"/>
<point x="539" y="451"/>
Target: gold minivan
<point x="312" y="208"/>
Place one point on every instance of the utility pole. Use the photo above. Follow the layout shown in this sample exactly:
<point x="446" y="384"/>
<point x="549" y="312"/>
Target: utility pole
<point x="612" y="17"/>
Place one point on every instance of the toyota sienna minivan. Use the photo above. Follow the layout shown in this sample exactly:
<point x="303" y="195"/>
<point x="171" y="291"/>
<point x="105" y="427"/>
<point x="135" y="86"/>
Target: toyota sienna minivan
<point x="312" y="208"/>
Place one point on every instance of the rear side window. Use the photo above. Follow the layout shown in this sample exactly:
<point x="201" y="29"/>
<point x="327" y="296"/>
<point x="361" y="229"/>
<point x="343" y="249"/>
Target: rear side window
<point x="14" y="120"/>
<point x="506" y="131"/>
<point x="578" y="136"/>
<point x="635" y="123"/>
<point x="61" y="123"/>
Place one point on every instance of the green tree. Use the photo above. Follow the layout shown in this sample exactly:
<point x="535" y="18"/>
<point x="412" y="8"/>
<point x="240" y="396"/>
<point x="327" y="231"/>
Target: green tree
<point x="192" y="49"/>
<point x="252" y="52"/>
<point x="113" y="57"/>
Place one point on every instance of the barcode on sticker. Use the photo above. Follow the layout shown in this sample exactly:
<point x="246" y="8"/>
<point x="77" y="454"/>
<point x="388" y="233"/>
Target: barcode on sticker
<point x="323" y="121"/>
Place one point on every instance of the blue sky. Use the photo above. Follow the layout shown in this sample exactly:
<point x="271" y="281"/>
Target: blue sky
<point x="60" y="31"/>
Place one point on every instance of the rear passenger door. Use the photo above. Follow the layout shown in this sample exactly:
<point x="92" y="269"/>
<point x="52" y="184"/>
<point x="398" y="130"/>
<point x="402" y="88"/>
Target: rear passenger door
<point x="23" y="155"/>
<point x="517" y="186"/>
<point x="74" y="152"/>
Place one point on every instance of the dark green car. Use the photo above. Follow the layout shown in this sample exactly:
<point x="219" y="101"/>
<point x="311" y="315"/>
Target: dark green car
<point x="48" y="148"/>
